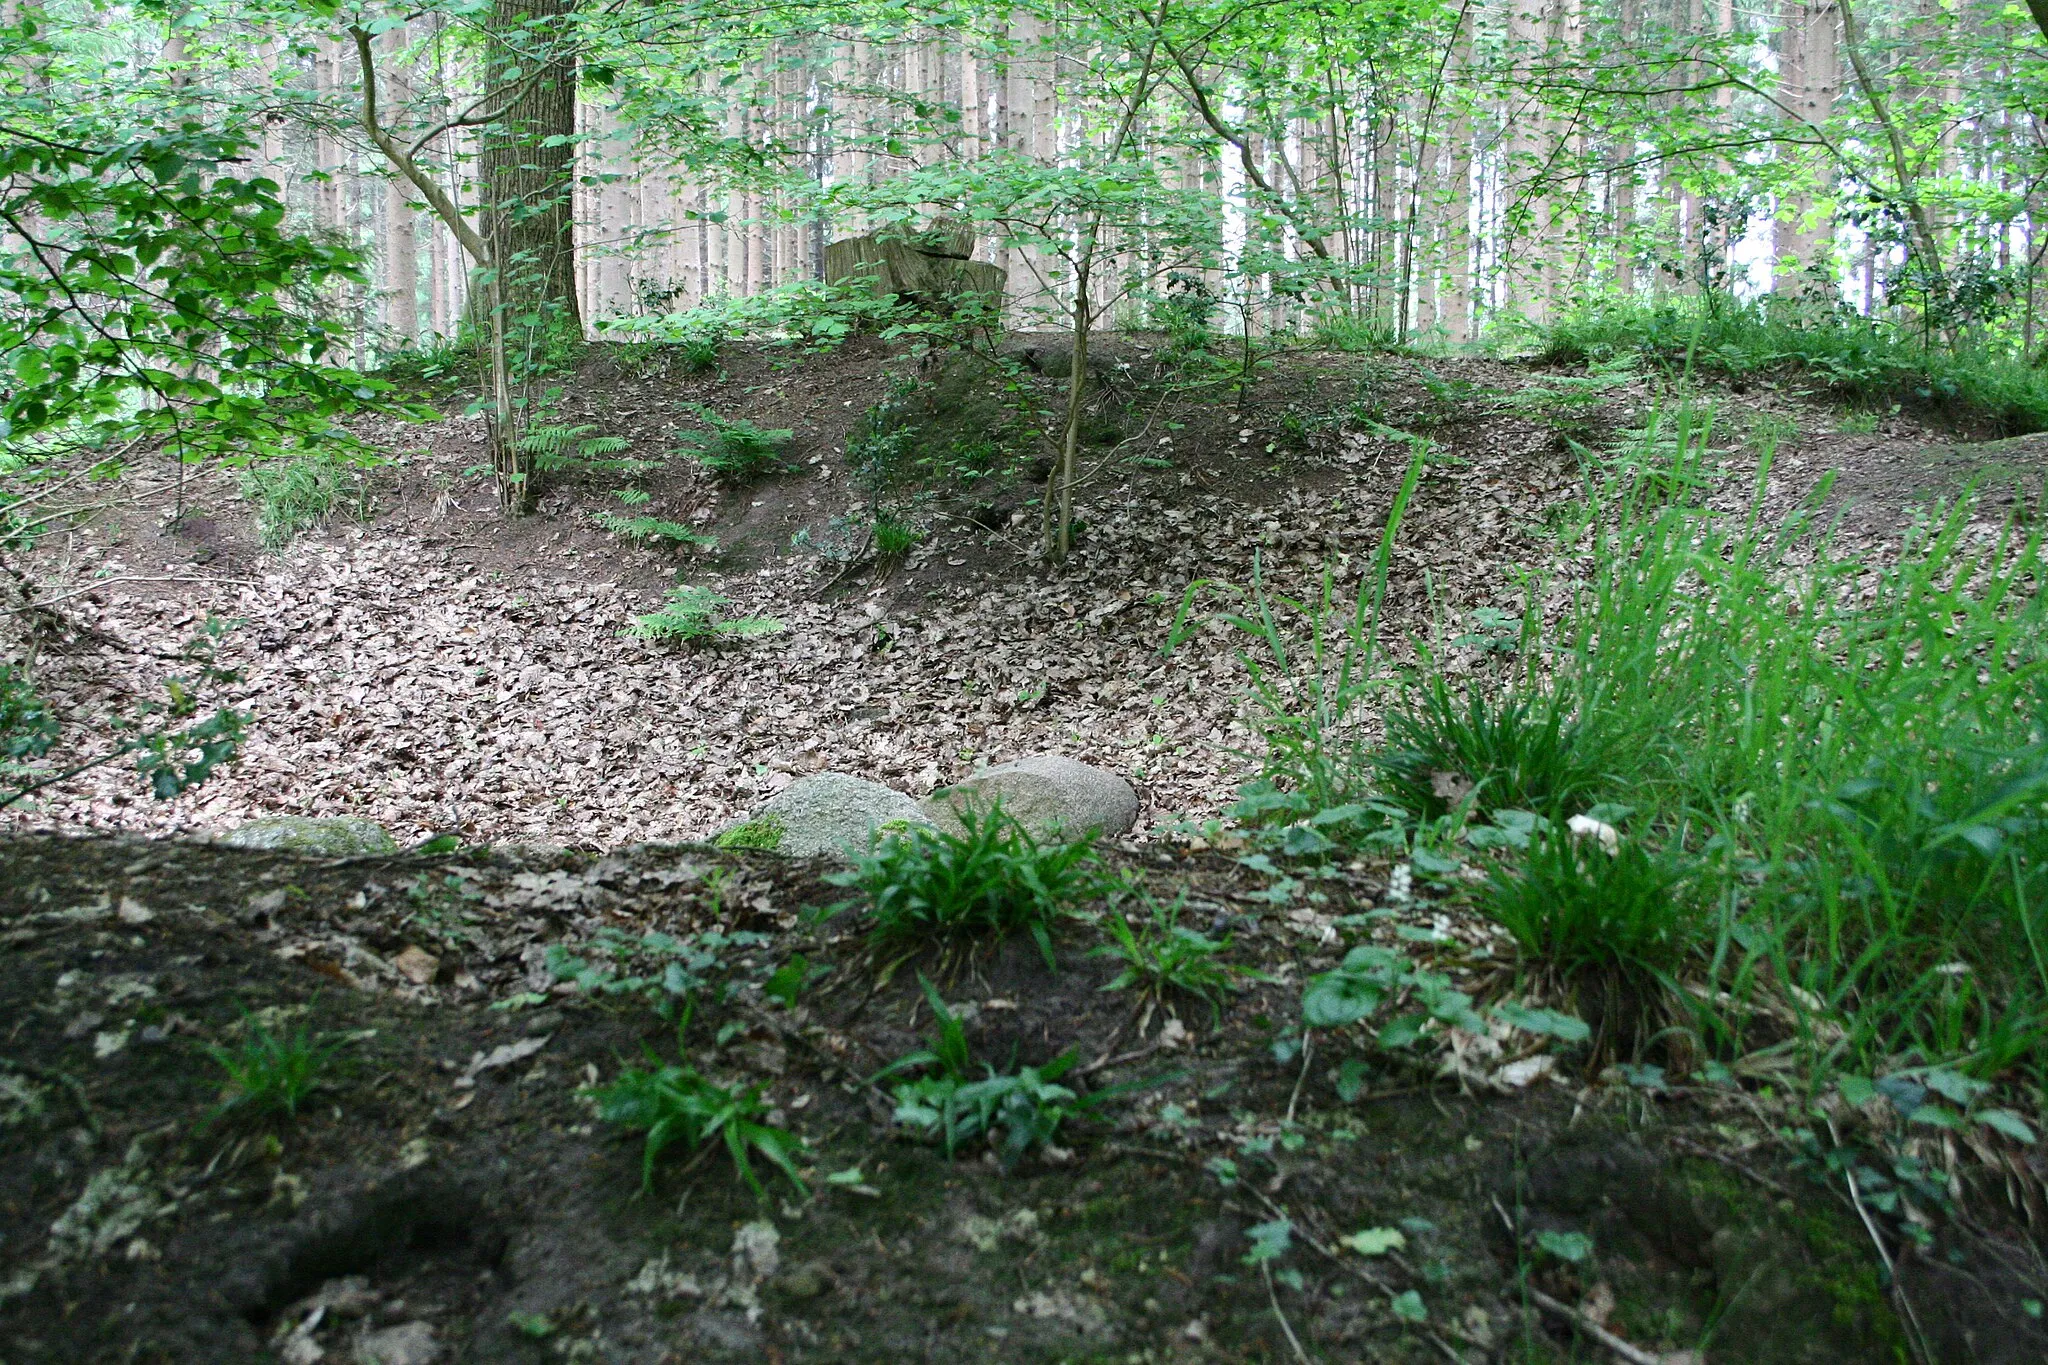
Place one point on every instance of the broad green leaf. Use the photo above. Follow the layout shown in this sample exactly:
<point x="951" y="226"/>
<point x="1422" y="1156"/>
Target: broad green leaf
<point x="1566" y="1246"/>
<point x="1375" y="1241"/>
<point x="1544" y="1021"/>
<point x="2006" y="1122"/>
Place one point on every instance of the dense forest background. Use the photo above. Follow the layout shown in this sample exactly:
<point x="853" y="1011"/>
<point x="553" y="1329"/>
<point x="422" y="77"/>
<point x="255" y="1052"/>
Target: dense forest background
<point x="1428" y="170"/>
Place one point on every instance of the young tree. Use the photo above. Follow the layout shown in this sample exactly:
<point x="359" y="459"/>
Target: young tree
<point x="1106" y="193"/>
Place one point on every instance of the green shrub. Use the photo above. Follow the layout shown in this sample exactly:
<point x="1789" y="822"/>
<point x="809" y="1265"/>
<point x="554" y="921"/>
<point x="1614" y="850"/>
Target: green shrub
<point x="734" y="449"/>
<point x="27" y="725"/>
<point x="268" y="1074"/>
<point x="802" y="315"/>
<point x="692" y="615"/>
<point x="296" y="495"/>
<point x="674" y="1103"/>
<point x="1524" y="752"/>
<point x="993" y="878"/>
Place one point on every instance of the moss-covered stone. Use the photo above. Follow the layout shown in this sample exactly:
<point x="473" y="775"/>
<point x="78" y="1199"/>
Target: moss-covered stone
<point x="334" y="836"/>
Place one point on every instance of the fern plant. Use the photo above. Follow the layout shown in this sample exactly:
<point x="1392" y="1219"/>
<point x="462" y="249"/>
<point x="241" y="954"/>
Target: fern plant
<point x="733" y="448"/>
<point x="693" y="615"/>
<point x="647" y="530"/>
<point x="560" y="446"/>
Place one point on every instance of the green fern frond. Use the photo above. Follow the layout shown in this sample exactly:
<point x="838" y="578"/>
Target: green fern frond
<point x="552" y="439"/>
<point x="691" y="615"/>
<point x="641" y="530"/>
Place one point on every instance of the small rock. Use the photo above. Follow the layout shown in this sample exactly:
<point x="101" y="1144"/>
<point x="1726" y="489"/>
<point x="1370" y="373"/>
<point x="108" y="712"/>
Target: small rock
<point x="409" y="1343"/>
<point x="806" y="1281"/>
<point x="339" y="836"/>
<point x="417" y="965"/>
<point x="833" y="813"/>
<point x="1049" y="794"/>
<point x="82" y="1024"/>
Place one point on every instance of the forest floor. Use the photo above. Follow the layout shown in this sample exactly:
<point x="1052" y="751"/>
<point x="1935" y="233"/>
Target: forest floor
<point x="449" y="1188"/>
<point x="437" y="670"/>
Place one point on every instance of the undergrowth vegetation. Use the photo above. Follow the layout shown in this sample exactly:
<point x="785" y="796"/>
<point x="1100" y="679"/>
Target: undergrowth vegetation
<point x="298" y="495"/>
<point x="697" y="615"/>
<point x="675" y="1104"/>
<point x="1852" y="357"/>
<point x="1747" y="798"/>
<point x="991" y="878"/>
<point x="269" y="1074"/>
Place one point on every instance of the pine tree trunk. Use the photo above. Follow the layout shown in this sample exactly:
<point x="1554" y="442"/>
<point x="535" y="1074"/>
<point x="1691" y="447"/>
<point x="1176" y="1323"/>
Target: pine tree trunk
<point x="527" y="185"/>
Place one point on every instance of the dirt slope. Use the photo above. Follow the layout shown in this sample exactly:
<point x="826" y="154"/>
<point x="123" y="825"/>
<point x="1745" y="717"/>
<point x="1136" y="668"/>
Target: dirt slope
<point x="438" y="670"/>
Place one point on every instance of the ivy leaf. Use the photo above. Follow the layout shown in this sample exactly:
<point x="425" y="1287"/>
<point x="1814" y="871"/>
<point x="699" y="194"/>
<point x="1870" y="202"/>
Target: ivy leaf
<point x="1337" y="998"/>
<point x="1409" y="1307"/>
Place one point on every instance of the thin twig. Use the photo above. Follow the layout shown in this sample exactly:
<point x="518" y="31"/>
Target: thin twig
<point x="1266" y="1267"/>
<point x="1701" y="1149"/>
<point x="1308" y="1047"/>
<point x="1634" y="1355"/>
<point x="1104" y="1063"/>
<point x="127" y="578"/>
<point x="1916" y="1337"/>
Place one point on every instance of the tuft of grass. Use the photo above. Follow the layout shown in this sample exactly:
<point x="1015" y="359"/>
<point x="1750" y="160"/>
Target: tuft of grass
<point x="1026" y="1107"/>
<point x="673" y="1103"/>
<point x="700" y="351"/>
<point x="294" y="496"/>
<point x="1160" y="954"/>
<point x="894" y="537"/>
<point x="1577" y="906"/>
<point x="1315" y="666"/>
<point x="1522" y="752"/>
<point x="992" y="878"/>
<point x="268" y="1074"/>
<point x="1857" y="359"/>
<point x="695" y="616"/>
<point x="1857" y="745"/>
<point x="734" y="449"/>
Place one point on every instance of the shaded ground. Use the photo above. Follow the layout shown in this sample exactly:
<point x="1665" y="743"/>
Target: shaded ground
<point x="447" y="1183"/>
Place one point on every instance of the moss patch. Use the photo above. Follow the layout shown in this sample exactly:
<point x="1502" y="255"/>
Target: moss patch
<point x="763" y="832"/>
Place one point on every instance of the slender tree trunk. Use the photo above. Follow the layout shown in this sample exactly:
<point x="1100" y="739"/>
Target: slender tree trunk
<point x="526" y="162"/>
